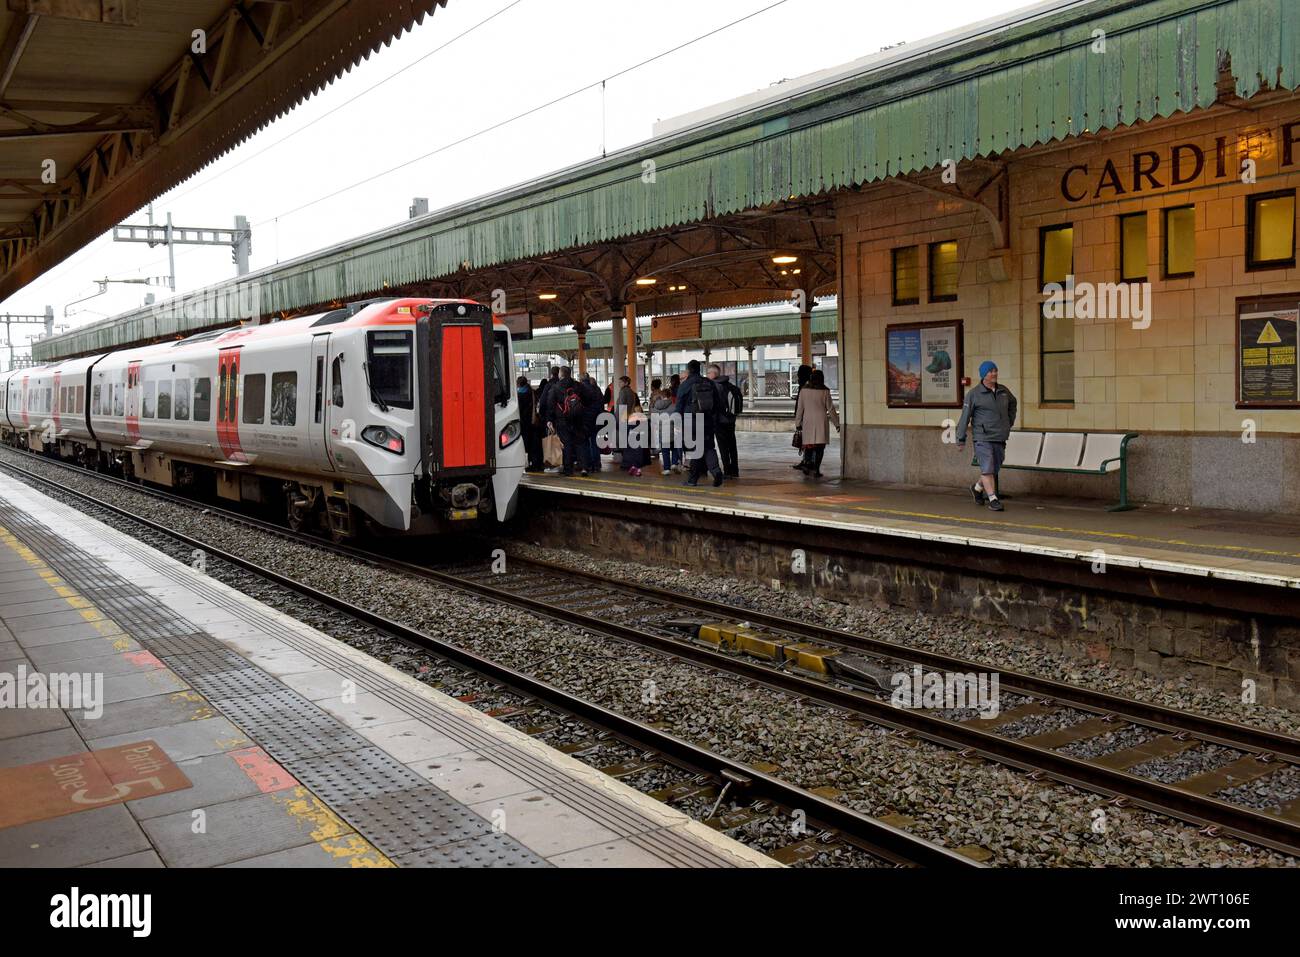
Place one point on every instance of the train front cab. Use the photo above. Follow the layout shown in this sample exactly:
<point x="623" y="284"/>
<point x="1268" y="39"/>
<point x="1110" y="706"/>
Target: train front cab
<point x="464" y="415"/>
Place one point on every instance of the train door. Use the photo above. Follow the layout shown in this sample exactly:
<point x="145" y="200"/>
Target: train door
<point x="464" y="402"/>
<point x="133" y="402"/>
<point x="228" y="404"/>
<point x="321" y="402"/>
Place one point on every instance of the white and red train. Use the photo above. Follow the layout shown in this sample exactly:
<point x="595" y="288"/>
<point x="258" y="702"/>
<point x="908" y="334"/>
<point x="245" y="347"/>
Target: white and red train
<point x="396" y="414"/>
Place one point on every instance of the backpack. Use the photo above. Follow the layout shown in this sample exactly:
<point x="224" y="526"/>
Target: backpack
<point x="705" y="396"/>
<point x="571" y="405"/>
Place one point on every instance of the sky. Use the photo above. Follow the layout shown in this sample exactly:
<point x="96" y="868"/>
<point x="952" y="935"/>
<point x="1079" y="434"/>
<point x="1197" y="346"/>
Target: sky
<point x="437" y="114"/>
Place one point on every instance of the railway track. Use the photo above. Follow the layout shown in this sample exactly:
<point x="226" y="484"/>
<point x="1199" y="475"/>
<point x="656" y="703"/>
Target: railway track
<point x="705" y="775"/>
<point x="849" y="672"/>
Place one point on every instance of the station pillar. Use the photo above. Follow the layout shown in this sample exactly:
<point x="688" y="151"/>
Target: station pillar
<point x="750" y="376"/>
<point x="581" y="329"/>
<point x="629" y="315"/>
<point x="805" y="328"/>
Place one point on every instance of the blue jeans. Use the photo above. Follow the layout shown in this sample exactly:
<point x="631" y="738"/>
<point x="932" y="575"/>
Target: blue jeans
<point x="670" y="457"/>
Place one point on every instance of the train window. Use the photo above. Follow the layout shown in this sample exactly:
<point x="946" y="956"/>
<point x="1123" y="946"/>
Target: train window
<point x="181" y="401"/>
<point x="148" y="400"/>
<point x="223" y="388"/>
<point x="202" y="399"/>
<point x="95" y="393"/>
<point x="254" y="399"/>
<point x="64" y="404"/>
<point x="49" y="399"/>
<point x="165" y="399"/>
<point x="500" y="384"/>
<point x="336" y="381"/>
<point x="320" y="385"/>
<point x="390" y="367"/>
<point x="119" y="399"/>
<point x="79" y="405"/>
<point x="284" y="398"/>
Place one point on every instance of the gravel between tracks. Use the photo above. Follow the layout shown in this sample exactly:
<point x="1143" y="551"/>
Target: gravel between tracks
<point x="951" y="800"/>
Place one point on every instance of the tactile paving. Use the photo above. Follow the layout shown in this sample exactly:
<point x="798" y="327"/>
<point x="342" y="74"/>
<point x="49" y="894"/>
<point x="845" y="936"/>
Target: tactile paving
<point x="490" y="850"/>
<point x="288" y="726"/>
<point x="403" y="821"/>
<point x="183" y="645"/>
<point x="196" y="663"/>
<point x="220" y="687"/>
<point x="345" y="776"/>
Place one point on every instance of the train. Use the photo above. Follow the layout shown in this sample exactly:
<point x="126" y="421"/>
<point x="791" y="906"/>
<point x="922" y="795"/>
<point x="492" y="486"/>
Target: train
<point x="385" y="416"/>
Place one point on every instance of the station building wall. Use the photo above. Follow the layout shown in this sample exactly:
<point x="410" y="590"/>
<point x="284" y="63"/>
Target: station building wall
<point x="1174" y="382"/>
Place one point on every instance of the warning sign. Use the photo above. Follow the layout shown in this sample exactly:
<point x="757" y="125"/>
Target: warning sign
<point x="79" y="782"/>
<point x="1266" y="353"/>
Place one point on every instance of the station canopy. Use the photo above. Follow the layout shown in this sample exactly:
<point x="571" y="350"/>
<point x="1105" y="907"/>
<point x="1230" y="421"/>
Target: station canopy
<point x="705" y="210"/>
<point x="107" y="104"/>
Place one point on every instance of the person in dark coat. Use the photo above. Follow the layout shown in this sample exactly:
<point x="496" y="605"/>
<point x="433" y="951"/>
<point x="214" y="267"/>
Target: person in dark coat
<point x="530" y="424"/>
<point x="570" y="420"/>
<point x="592" y="407"/>
<point x="697" y="395"/>
<point x="733" y="403"/>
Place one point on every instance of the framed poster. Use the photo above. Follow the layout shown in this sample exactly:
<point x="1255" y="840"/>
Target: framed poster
<point x="923" y="363"/>
<point x="1266" y="352"/>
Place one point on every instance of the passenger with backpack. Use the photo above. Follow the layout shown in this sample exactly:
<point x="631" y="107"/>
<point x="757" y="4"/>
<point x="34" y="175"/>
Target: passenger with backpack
<point x="568" y="413"/>
<point x="698" y="396"/>
<point x="733" y="403"/>
<point x="592" y="408"/>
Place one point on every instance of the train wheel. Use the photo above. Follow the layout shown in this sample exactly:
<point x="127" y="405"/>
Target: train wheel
<point x="300" y="507"/>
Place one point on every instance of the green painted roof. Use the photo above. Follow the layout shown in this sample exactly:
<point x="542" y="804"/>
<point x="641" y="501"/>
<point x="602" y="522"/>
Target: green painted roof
<point x="1028" y="83"/>
<point x="772" y="326"/>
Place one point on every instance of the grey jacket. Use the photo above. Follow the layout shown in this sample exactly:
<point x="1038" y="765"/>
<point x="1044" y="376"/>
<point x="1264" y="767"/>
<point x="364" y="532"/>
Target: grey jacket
<point x="989" y="413"/>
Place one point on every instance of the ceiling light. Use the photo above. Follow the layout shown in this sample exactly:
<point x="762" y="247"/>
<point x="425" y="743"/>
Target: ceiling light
<point x="546" y="295"/>
<point x="784" y="259"/>
<point x="647" y="281"/>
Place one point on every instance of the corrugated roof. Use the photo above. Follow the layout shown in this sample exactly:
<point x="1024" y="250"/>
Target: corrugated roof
<point x="1028" y="84"/>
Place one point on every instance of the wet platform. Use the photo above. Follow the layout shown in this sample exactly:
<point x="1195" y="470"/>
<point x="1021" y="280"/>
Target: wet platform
<point x="1241" y="546"/>
<point x="186" y="724"/>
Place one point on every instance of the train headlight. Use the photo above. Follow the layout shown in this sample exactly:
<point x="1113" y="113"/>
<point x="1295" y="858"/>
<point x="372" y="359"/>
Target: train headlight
<point x="385" y="438"/>
<point x="510" y="433"/>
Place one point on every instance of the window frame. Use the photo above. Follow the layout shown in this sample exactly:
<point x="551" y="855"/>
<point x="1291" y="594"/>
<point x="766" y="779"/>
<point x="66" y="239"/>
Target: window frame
<point x="929" y="256"/>
<point x="893" y="276"/>
<point x="1257" y="265"/>
<point x="194" y="405"/>
<point x="1042" y="314"/>
<point x="1146" y="249"/>
<point x="1164" y="242"/>
<point x="293" y="422"/>
<point x="409" y="337"/>
<point x="246" y="405"/>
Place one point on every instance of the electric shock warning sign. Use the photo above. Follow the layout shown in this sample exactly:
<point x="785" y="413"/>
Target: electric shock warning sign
<point x="1266" y="352"/>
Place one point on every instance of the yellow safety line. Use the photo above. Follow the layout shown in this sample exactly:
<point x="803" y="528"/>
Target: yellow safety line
<point x="328" y="830"/>
<point x="903" y="513"/>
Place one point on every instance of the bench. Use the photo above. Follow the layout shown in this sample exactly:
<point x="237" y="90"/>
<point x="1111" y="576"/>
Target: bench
<point x="1078" y="453"/>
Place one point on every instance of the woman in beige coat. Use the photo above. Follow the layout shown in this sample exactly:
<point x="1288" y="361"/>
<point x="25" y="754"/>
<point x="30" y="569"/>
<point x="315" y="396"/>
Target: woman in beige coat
<point x="811" y="416"/>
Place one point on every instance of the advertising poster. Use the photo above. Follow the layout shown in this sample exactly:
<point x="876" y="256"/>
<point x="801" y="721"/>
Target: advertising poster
<point x="923" y="365"/>
<point x="1266" y="354"/>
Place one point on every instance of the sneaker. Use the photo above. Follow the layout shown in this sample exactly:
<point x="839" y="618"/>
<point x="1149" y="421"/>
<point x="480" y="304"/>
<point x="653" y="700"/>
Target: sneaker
<point x="717" y="479"/>
<point x="634" y="471"/>
<point x="583" y="473"/>
<point x="689" y="484"/>
<point x="977" y="494"/>
<point x="996" y="505"/>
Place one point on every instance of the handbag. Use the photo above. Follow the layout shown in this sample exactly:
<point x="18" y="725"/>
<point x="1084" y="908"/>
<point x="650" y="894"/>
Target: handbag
<point x="796" y="442"/>
<point x="552" y="451"/>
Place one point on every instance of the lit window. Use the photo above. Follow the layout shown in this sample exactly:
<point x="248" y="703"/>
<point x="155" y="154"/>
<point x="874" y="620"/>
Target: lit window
<point x="1056" y="346"/>
<point x="944" y="268"/>
<point x="1180" y="242"/>
<point x="907" y="276"/>
<point x="1133" y="247"/>
<point x="1270" y="230"/>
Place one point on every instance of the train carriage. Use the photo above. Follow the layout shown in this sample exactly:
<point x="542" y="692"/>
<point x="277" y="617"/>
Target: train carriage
<point x="398" y="414"/>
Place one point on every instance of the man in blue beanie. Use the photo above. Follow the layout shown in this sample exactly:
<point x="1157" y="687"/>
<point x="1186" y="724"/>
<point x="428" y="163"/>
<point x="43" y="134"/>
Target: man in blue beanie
<point x="990" y="411"/>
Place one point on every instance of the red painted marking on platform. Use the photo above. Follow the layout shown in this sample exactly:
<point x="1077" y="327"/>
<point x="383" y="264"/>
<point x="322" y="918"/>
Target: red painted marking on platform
<point x="144" y="659"/>
<point x="262" y="770"/>
<point x="80" y="782"/>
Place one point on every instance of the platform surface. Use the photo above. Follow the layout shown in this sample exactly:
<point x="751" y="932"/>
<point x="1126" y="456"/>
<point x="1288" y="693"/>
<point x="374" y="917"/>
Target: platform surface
<point x="212" y="730"/>
<point x="1261" y="548"/>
